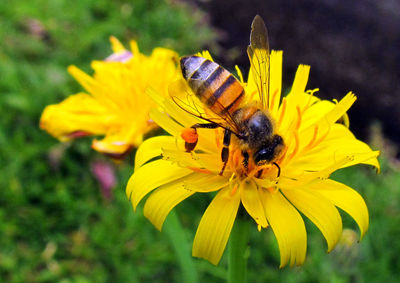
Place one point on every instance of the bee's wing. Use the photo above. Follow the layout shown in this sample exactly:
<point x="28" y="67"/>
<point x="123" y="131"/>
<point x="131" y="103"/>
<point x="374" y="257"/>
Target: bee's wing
<point x="258" y="52"/>
<point x="185" y="99"/>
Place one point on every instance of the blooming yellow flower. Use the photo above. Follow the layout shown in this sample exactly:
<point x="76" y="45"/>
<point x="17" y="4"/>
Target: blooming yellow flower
<point x="316" y="145"/>
<point x="116" y="105"/>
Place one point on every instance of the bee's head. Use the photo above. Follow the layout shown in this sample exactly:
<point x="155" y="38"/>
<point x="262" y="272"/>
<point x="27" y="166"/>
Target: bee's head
<point x="268" y="151"/>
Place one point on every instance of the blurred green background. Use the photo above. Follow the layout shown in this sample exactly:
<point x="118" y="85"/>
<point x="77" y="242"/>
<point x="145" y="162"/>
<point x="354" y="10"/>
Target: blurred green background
<point x="57" y="225"/>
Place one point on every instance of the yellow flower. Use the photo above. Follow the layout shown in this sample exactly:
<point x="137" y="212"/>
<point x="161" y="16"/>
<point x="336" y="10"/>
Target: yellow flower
<point x="316" y="145"/>
<point x="116" y="105"/>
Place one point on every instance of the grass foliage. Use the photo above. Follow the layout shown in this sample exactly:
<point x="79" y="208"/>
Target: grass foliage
<point x="55" y="226"/>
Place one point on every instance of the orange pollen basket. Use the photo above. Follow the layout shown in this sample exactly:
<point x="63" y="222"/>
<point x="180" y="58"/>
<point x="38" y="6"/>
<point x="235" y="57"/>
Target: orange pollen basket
<point x="189" y="135"/>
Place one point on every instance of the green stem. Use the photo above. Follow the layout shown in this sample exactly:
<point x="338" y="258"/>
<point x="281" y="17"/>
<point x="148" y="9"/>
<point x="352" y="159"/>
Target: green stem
<point x="176" y="234"/>
<point x="237" y="251"/>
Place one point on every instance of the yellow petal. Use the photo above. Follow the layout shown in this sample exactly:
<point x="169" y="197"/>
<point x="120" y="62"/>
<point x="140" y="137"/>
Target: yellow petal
<point x="134" y="48"/>
<point x="297" y="95"/>
<point x="339" y="143"/>
<point x="151" y="148"/>
<point x="252" y="203"/>
<point x="275" y="81"/>
<point x="182" y="158"/>
<point x="215" y="226"/>
<point x="150" y="176"/>
<point x="267" y="183"/>
<point x="166" y="56"/>
<point x="206" y="183"/>
<point x="347" y="199"/>
<point x="114" y="145"/>
<point x="116" y="45"/>
<point x="239" y="74"/>
<point x="165" y="198"/>
<point x="293" y="183"/>
<point x="207" y="141"/>
<point x="321" y="174"/>
<point x="315" y="113"/>
<point x="78" y="112"/>
<point x="89" y="83"/>
<point x="211" y="161"/>
<point x="320" y="211"/>
<point x="325" y="159"/>
<point x="288" y="227"/>
<point x="330" y="117"/>
<point x="165" y="122"/>
<point x="205" y="54"/>
<point x="369" y="158"/>
<point x="341" y="108"/>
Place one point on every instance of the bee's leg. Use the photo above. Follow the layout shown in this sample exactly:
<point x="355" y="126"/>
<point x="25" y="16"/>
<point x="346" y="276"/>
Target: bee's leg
<point x="225" y="150"/>
<point x="190" y="134"/>
<point x="245" y="159"/>
<point x="259" y="173"/>
<point x="279" y="168"/>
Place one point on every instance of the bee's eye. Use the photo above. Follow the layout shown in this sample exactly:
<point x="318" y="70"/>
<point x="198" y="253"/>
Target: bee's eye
<point x="263" y="155"/>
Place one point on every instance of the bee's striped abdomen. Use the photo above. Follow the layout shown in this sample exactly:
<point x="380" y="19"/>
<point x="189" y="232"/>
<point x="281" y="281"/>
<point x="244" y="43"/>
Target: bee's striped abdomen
<point x="211" y="83"/>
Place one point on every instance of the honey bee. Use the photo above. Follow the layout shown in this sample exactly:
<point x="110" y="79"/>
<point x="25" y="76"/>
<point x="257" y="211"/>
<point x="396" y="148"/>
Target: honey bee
<point x="251" y="125"/>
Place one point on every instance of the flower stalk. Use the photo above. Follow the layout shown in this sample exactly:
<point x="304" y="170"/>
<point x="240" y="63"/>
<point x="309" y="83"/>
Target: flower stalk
<point x="238" y="249"/>
<point x="176" y="235"/>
